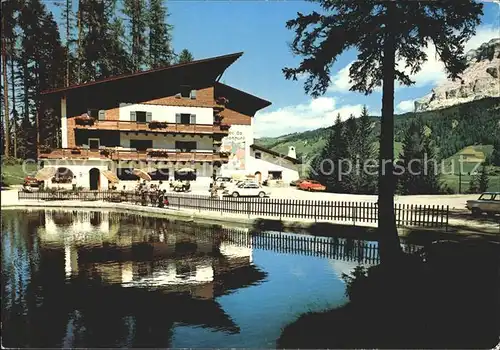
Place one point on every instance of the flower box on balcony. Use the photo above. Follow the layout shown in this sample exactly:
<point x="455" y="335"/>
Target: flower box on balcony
<point x="225" y="126"/>
<point x="157" y="125"/>
<point x="84" y="120"/>
<point x="105" y="152"/>
<point x="158" y="153"/>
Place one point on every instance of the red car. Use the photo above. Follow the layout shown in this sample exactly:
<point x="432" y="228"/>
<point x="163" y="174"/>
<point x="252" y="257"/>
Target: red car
<point x="31" y="182"/>
<point x="311" y="185"/>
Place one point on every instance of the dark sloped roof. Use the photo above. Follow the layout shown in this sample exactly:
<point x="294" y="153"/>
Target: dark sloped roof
<point x="217" y="66"/>
<point x="274" y="153"/>
<point x="240" y="100"/>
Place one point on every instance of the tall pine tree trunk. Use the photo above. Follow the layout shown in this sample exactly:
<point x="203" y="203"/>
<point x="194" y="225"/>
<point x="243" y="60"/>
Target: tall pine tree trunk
<point x="68" y="9"/>
<point x="14" y="112"/>
<point x="79" y="49"/>
<point x="5" y="93"/>
<point x="388" y="233"/>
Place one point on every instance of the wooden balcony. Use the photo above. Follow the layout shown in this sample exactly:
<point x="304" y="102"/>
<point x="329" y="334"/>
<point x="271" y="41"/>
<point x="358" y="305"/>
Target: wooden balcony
<point x="173" y="128"/>
<point x="116" y="154"/>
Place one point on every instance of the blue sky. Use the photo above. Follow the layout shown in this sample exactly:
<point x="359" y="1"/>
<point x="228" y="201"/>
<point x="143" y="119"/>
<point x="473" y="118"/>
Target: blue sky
<point x="258" y="29"/>
<point x="211" y="28"/>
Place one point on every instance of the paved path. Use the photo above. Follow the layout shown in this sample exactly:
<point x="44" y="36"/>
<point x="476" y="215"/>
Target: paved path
<point x="455" y="202"/>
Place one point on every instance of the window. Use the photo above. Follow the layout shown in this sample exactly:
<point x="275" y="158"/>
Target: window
<point x="102" y="114"/>
<point x="141" y="145"/>
<point x="185" y="118"/>
<point x="140" y="117"/>
<point x="182" y="176"/>
<point x="251" y="185"/>
<point x="275" y="175"/>
<point x="185" y="91"/>
<point x="159" y="174"/>
<point x="125" y="174"/>
<point x="94" y="143"/>
<point x="258" y="155"/>
<point x="185" y="146"/>
<point x="487" y="197"/>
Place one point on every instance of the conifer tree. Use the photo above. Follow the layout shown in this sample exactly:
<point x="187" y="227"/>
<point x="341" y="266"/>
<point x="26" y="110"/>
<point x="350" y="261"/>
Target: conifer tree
<point x="185" y="56"/>
<point x="495" y="156"/>
<point x="483" y="180"/>
<point x="326" y="164"/>
<point x="350" y="162"/>
<point x="418" y="159"/>
<point x="367" y="179"/>
<point x="136" y="16"/>
<point x="160" y="38"/>
<point x="381" y="31"/>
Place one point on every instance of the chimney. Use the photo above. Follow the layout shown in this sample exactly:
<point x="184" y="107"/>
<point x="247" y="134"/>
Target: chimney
<point x="291" y="152"/>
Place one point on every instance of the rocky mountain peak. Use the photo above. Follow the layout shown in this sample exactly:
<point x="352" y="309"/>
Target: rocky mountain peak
<point x="479" y="80"/>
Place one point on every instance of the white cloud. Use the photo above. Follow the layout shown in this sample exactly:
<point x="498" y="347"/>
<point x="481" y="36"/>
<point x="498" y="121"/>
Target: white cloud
<point x="340" y="81"/>
<point x="405" y="106"/>
<point x="484" y="34"/>
<point x="432" y="72"/>
<point x="318" y="113"/>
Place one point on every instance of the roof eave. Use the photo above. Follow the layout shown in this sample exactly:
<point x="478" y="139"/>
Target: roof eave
<point x="233" y="56"/>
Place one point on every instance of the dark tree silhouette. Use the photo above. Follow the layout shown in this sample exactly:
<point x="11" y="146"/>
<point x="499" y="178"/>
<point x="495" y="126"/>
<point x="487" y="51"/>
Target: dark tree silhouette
<point x="383" y="32"/>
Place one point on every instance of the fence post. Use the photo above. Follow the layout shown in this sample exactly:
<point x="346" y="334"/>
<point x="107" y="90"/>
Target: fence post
<point x="354" y="212"/>
<point x="447" y="216"/>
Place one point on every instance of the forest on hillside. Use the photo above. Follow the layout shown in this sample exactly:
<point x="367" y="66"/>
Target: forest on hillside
<point x="90" y="40"/>
<point x="348" y="160"/>
<point x="451" y="129"/>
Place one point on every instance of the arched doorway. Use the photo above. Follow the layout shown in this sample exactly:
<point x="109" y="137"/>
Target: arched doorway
<point x="258" y="176"/>
<point x="94" y="178"/>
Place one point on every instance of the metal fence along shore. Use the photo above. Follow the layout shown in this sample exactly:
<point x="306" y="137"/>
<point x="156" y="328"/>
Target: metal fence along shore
<point x="430" y="216"/>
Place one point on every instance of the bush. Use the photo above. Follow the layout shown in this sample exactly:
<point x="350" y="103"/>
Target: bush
<point x="449" y="190"/>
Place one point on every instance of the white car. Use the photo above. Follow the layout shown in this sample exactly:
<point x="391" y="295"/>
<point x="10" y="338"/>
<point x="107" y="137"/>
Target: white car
<point x="246" y="189"/>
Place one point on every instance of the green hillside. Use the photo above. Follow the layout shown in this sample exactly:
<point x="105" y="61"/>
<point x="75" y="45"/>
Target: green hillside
<point x="452" y="129"/>
<point x="466" y="131"/>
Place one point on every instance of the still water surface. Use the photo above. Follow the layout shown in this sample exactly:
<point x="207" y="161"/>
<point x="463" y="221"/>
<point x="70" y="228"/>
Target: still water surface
<point x="106" y="279"/>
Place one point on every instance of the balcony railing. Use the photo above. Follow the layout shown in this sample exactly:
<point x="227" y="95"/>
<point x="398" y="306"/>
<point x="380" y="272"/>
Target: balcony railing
<point x="125" y="154"/>
<point x="154" y="127"/>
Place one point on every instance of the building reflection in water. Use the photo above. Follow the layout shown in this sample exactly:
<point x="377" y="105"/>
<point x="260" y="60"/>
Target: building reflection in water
<point x="106" y="279"/>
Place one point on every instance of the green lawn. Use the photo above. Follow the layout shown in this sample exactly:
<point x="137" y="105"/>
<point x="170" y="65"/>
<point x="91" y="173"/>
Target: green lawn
<point x="479" y="152"/>
<point x="452" y="181"/>
<point x="15" y="174"/>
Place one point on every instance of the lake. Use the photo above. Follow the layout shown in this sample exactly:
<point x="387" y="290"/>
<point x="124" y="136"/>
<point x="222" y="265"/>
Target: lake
<point x="108" y="279"/>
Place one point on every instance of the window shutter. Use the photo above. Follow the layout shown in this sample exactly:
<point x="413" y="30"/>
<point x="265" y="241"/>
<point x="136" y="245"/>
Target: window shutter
<point x="133" y="116"/>
<point x="192" y="119"/>
<point x="149" y="116"/>
<point x="102" y="114"/>
<point x="193" y="94"/>
<point x="178" y="118"/>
